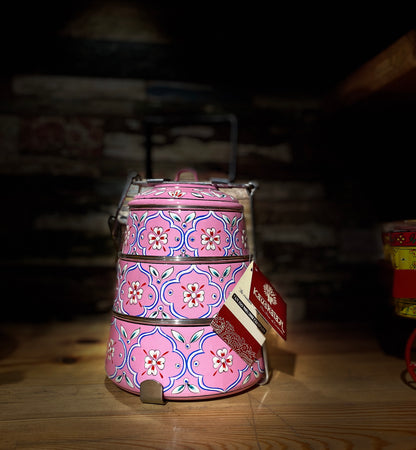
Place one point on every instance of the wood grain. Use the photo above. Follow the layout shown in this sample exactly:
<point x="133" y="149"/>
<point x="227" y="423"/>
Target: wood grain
<point x="331" y="387"/>
<point x="393" y="71"/>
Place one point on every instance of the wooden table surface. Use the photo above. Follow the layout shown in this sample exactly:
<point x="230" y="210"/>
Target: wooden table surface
<point x="332" y="387"/>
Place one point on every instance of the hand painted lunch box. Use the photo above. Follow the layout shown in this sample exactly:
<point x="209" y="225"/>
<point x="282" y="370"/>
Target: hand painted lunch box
<point x="183" y="251"/>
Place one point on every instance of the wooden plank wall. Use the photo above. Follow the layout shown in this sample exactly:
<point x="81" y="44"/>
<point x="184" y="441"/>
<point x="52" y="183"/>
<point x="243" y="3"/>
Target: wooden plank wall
<point x="68" y="145"/>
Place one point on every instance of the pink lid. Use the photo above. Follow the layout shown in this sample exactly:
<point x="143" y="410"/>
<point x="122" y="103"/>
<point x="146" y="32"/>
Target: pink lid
<point x="186" y="195"/>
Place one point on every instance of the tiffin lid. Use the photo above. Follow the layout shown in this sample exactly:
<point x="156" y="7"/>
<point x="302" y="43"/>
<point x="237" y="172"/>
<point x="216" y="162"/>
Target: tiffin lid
<point x="176" y="194"/>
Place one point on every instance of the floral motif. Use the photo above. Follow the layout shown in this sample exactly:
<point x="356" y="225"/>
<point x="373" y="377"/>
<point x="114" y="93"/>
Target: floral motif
<point x="110" y="349"/>
<point x="177" y="193"/>
<point x="270" y="294"/>
<point x="193" y="295"/>
<point x="158" y="238"/>
<point x="153" y="362"/>
<point x="135" y="292"/>
<point x="174" y="232"/>
<point x="221" y="361"/>
<point x="209" y="238"/>
<point x="225" y="330"/>
<point x="191" y="388"/>
<point x="401" y="239"/>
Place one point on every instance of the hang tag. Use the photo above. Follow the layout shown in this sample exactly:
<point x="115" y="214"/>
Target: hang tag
<point x="250" y="310"/>
<point x="268" y="301"/>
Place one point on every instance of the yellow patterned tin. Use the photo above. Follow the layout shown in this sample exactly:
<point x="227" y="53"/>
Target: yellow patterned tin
<point x="403" y="258"/>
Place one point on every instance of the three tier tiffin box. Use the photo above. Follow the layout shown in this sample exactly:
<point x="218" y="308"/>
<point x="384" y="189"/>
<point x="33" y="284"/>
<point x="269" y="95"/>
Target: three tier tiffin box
<point x="182" y="247"/>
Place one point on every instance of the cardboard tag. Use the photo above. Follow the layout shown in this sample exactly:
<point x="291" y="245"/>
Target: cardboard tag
<point x="247" y="314"/>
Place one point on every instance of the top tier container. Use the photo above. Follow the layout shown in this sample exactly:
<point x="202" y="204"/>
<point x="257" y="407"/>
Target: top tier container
<point x="181" y="219"/>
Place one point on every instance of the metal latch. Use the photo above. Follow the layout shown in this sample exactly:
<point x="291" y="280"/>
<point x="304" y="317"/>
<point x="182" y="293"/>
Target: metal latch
<point x="151" y="391"/>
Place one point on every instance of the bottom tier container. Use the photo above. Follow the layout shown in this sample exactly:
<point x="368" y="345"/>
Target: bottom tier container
<point x="187" y="362"/>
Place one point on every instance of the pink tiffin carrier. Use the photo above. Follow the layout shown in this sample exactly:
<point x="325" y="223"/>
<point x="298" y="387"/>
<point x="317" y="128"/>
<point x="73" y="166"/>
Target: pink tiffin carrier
<point x="184" y="246"/>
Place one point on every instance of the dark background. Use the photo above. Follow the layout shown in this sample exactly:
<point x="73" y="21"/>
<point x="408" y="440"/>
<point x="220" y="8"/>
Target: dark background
<point x="328" y="179"/>
<point x="270" y="47"/>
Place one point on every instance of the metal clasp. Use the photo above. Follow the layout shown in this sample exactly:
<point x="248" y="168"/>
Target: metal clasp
<point x="151" y="391"/>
